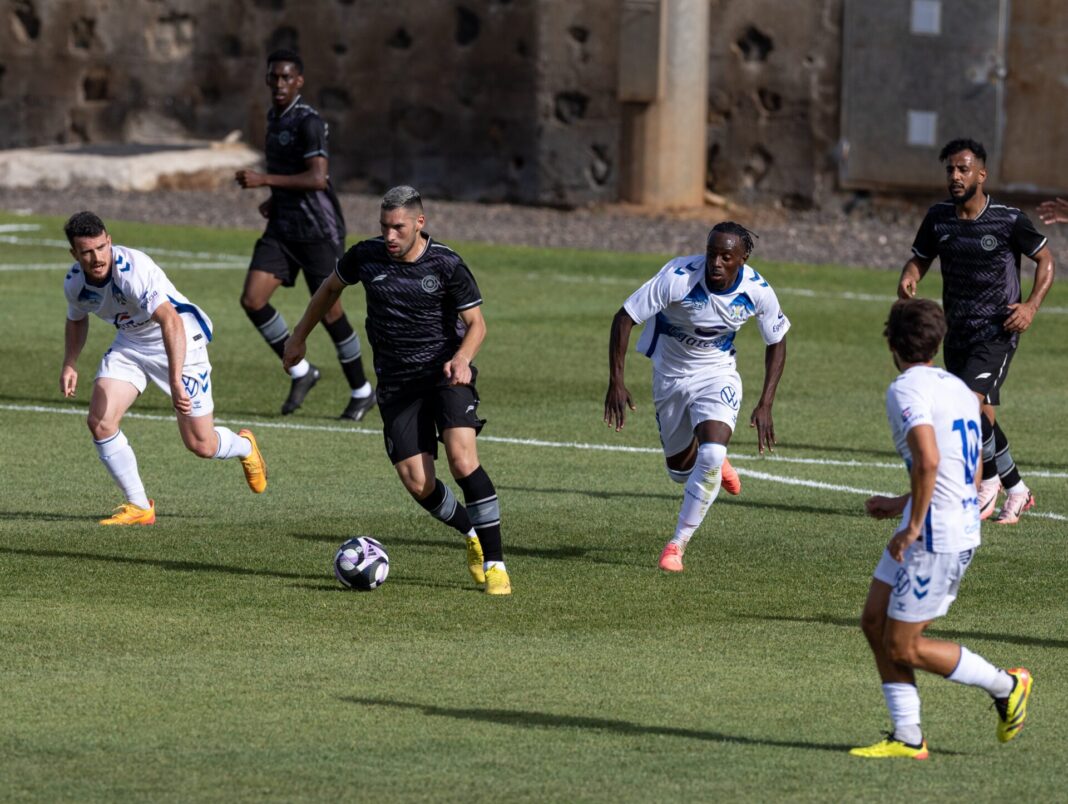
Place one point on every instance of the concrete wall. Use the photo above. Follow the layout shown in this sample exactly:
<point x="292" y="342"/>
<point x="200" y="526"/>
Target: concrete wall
<point x="474" y="99"/>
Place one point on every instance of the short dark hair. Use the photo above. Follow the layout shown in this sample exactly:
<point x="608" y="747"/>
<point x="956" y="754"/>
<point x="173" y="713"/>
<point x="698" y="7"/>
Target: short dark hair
<point x="402" y="196"/>
<point x="83" y="224"/>
<point x="730" y="227"/>
<point x="286" y="55"/>
<point x="958" y="145"/>
<point x="915" y="329"/>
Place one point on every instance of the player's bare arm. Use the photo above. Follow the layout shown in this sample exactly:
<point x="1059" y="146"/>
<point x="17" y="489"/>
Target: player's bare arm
<point x="880" y="507"/>
<point x="915" y="270"/>
<point x="617" y="400"/>
<point x="458" y="370"/>
<point x="325" y="298"/>
<point x="1024" y="313"/>
<point x="923" y="447"/>
<point x="173" y="330"/>
<point x="75" y="334"/>
<point x="314" y="178"/>
<point x="1054" y="211"/>
<point x="774" y="363"/>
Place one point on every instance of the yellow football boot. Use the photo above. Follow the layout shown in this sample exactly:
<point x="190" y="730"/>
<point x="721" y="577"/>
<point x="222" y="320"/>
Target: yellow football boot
<point x="1012" y="711"/>
<point x="130" y="514"/>
<point x="497" y="581"/>
<point x="889" y="748"/>
<point x="475" y="560"/>
<point x="254" y="465"/>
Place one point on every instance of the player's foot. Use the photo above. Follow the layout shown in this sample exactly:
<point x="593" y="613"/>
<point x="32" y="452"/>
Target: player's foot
<point x="988" y="496"/>
<point x="1012" y="711"/>
<point x="298" y="389"/>
<point x="254" y="465"/>
<point x="358" y="407"/>
<point x="497" y="581"/>
<point x="1014" y="506"/>
<point x="475" y="559"/>
<point x="730" y="483"/>
<point x="130" y="514"/>
<point x="889" y="748"/>
<point x="671" y="557"/>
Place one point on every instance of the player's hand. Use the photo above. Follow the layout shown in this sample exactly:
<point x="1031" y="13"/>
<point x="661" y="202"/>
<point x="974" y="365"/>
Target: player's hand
<point x="765" y="427"/>
<point x="880" y="507"/>
<point x="616" y="403"/>
<point x="265" y="208"/>
<point x="293" y="353"/>
<point x="249" y="179"/>
<point x="68" y="381"/>
<point x="180" y="399"/>
<point x="1055" y="211"/>
<point x="1020" y="318"/>
<point x="900" y="542"/>
<point x="458" y="370"/>
<point x="906" y="288"/>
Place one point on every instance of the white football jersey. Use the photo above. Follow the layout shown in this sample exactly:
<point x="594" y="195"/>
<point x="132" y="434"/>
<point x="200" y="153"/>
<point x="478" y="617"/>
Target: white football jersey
<point x="693" y="327"/>
<point x="136" y="289"/>
<point x="933" y="396"/>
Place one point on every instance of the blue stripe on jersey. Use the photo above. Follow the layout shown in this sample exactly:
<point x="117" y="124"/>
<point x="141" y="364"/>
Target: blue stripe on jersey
<point x="734" y="287"/>
<point x="192" y="309"/>
<point x="928" y="532"/>
<point x="660" y="325"/>
<point x="728" y="342"/>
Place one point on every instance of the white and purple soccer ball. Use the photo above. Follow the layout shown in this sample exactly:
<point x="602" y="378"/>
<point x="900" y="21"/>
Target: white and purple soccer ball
<point x="361" y="564"/>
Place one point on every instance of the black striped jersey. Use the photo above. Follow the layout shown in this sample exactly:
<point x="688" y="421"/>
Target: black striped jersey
<point x="413" y="308"/>
<point x="294" y="136"/>
<point x="980" y="262"/>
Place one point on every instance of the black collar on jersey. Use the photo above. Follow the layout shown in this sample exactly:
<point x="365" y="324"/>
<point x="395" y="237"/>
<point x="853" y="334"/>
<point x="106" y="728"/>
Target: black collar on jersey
<point x="277" y="115"/>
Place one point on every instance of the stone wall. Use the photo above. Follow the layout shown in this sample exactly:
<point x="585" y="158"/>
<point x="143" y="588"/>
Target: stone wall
<point x="472" y="99"/>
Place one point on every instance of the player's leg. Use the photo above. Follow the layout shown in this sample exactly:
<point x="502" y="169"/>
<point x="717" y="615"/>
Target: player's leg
<point x="972" y="365"/>
<point x="320" y="259"/>
<point x="1018" y="497"/>
<point x="110" y="400"/>
<point x="270" y="268"/>
<point x="411" y="443"/>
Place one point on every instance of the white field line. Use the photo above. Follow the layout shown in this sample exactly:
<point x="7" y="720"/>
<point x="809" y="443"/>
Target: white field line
<point x="20" y="227"/>
<point x="532" y="442"/>
<point x="15" y="240"/>
<point x="60" y="267"/>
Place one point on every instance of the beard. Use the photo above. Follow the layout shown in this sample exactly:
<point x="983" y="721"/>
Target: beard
<point x="966" y="196"/>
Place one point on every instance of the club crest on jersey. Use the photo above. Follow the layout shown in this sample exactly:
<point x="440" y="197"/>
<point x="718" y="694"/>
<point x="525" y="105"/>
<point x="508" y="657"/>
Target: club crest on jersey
<point x="430" y="283"/>
<point x="988" y="242"/>
<point x="284" y="138"/>
<point x="741" y="307"/>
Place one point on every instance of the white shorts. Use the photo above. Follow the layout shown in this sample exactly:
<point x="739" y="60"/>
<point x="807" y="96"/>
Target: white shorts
<point x="682" y="403"/>
<point x="138" y="364"/>
<point x="925" y="585"/>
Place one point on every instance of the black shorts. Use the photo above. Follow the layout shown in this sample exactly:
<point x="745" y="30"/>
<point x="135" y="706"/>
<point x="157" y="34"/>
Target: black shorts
<point x="415" y="414"/>
<point x="285" y="259"/>
<point x="982" y="366"/>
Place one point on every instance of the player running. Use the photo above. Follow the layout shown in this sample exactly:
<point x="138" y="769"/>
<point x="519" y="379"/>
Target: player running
<point x="934" y="419"/>
<point x="979" y="244"/>
<point x="697" y="304"/>
<point x="161" y="337"/>
<point x="424" y="321"/>
<point x="305" y="231"/>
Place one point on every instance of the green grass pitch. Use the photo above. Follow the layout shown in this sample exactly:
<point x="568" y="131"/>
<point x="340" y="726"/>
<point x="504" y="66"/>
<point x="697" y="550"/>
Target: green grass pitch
<point x="214" y="656"/>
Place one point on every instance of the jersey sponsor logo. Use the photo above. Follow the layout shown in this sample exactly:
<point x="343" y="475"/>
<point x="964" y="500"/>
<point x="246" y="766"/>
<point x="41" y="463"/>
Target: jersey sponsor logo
<point x="698" y="339"/>
<point x="741" y="307"/>
<point x="194" y="385"/>
<point x="902" y="584"/>
<point x="430" y="283"/>
<point x="988" y="242"/>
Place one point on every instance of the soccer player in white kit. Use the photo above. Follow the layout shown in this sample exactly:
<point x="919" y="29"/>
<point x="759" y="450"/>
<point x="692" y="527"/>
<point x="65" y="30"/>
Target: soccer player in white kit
<point x="934" y="419"/>
<point x="161" y="336"/>
<point x="692" y="310"/>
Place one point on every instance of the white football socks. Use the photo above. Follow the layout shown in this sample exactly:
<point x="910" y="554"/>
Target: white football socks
<point x="362" y="392"/>
<point x="903" y="701"/>
<point x="701" y="489"/>
<point x="299" y="370"/>
<point x="118" y="458"/>
<point x="975" y="671"/>
<point x="231" y="445"/>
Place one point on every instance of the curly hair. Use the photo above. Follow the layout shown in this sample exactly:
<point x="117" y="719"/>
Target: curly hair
<point x="730" y="227"/>
<point x="83" y="224"/>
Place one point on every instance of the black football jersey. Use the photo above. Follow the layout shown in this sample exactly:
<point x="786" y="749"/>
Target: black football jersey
<point x="413" y="308"/>
<point x="294" y="136"/>
<point x="980" y="262"/>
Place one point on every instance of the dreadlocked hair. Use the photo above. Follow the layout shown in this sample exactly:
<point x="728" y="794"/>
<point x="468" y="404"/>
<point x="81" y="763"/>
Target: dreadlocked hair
<point x="730" y="227"/>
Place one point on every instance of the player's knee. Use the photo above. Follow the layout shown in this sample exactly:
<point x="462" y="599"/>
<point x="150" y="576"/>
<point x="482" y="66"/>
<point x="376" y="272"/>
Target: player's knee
<point x="872" y="623"/>
<point x="902" y="651"/>
<point x="99" y="427"/>
<point x="249" y="303"/>
<point x="202" y="447"/>
<point x="462" y="465"/>
<point x="678" y="475"/>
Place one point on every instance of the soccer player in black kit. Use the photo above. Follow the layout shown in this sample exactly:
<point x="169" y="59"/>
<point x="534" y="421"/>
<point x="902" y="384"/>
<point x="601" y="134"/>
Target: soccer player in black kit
<point x="424" y="321"/>
<point x="305" y="230"/>
<point x="979" y="244"/>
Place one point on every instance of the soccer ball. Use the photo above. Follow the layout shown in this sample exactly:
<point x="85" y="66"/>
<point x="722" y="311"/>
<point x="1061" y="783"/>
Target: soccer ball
<point x="361" y="564"/>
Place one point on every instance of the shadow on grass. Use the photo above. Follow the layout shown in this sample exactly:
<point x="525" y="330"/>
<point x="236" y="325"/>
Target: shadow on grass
<point x="160" y="563"/>
<point x="566" y="552"/>
<point x="535" y="720"/>
<point x="940" y="633"/>
<point x="393" y="580"/>
<point x="48" y="516"/>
